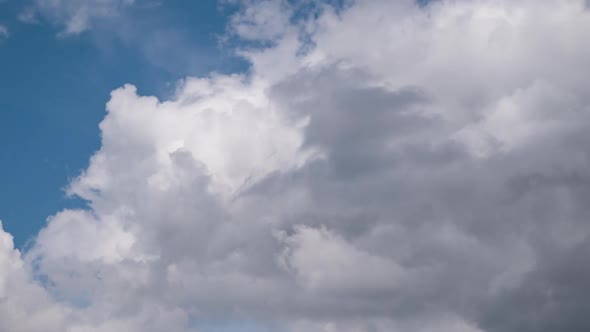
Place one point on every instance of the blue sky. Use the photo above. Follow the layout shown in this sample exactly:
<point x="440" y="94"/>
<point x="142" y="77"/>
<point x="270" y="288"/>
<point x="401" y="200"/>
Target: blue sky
<point x="54" y="90"/>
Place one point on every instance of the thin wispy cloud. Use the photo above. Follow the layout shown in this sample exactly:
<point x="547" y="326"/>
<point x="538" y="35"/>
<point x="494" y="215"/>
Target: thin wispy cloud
<point x="4" y="32"/>
<point x="74" y="16"/>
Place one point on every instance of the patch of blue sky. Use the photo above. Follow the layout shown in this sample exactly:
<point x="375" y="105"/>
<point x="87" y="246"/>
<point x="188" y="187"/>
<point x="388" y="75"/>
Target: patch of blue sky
<point x="236" y="326"/>
<point x="53" y="91"/>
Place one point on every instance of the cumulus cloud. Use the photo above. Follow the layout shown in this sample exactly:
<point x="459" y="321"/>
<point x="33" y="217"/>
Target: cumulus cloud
<point x="24" y="305"/>
<point x="384" y="166"/>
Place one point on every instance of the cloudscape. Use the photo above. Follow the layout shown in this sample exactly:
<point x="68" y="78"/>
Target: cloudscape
<point x="353" y="166"/>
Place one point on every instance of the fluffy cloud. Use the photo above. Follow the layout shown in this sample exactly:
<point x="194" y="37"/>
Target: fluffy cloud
<point x="384" y="166"/>
<point x="24" y="306"/>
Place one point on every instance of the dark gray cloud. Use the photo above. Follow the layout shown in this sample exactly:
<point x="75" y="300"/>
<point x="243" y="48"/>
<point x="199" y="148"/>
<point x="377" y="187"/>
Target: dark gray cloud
<point x="552" y="297"/>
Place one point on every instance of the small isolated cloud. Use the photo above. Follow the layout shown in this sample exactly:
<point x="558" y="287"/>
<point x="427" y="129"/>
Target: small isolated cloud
<point x="74" y="16"/>
<point x="417" y="168"/>
<point x="28" y="15"/>
<point x="4" y="32"/>
<point x="264" y="20"/>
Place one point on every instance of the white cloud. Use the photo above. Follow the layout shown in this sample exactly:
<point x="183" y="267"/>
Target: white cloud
<point x="225" y="125"/>
<point x="399" y="168"/>
<point x="9" y="260"/>
<point x="265" y="20"/>
<point x="103" y="240"/>
<point x="324" y="262"/>
<point x="24" y="306"/>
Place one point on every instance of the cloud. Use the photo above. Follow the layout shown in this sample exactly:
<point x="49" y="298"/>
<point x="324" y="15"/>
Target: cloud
<point x="384" y="166"/>
<point x="148" y="28"/>
<point x="73" y="15"/>
<point x="4" y="32"/>
<point x="323" y="262"/>
<point x="24" y="306"/>
<point x="265" y="20"/>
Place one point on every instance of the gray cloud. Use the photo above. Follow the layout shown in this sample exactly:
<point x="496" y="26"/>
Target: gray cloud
<point x="432" y="174"/>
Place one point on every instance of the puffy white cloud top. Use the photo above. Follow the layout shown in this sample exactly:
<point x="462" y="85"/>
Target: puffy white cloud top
<point x="384" y="166"/>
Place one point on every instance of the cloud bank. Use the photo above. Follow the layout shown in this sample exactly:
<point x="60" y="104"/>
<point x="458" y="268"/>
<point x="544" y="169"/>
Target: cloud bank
<point x="384" y="166"/>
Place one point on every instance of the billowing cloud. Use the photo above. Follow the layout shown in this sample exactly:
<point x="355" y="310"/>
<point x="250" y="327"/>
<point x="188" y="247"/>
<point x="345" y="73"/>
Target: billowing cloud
<point x="24" y="305"/>
<point x="384" y="166"/>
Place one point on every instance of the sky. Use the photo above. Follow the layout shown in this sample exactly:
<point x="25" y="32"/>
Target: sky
<point x="294" y="166"/>
<point x="55" y="90"/>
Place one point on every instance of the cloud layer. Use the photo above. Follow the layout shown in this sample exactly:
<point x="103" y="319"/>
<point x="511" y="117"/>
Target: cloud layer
<point x="384" y="166"/>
